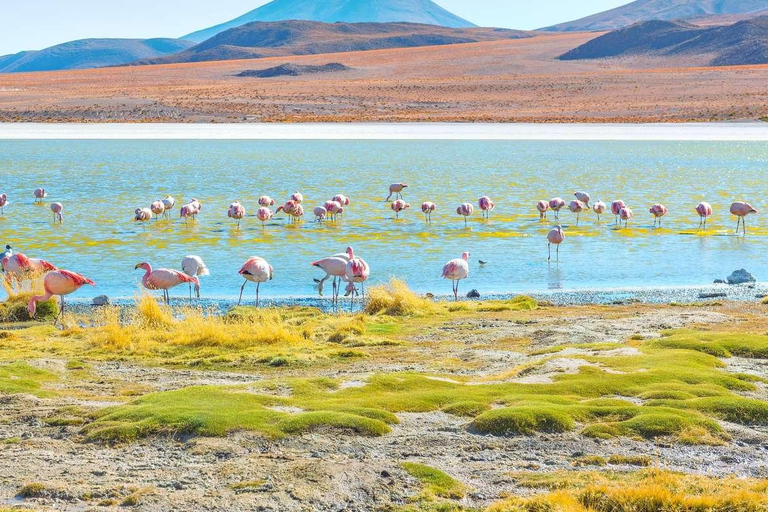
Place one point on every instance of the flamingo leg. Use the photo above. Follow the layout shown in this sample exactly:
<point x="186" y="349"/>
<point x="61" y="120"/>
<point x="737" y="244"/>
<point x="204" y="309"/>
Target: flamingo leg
<point x="549" y="251"/>
<point x="258" y="285"/>
<point x="241" y="293"/>
<point x="577" y="218"/>
<point x="744" y="225"/>
<point x="558" y="252"/>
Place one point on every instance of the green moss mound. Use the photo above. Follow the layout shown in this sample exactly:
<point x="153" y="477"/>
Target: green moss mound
<point x="15" y="310"/>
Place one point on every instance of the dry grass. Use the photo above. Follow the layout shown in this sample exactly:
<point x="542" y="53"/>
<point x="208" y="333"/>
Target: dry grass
<point x="395" y="299"/>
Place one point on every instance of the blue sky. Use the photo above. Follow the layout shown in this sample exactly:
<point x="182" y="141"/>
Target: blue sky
<point x="35" y="24"/>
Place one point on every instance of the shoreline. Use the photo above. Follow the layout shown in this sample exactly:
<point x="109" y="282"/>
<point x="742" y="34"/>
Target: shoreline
<point x="735" y="132"/>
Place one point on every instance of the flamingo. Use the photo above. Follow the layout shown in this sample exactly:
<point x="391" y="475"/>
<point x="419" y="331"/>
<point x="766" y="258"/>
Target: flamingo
<point x="626" y="215"/>
<point x="3" y="203"/>
<point x="616" y="207"/>
<point x="255" y="270"/>
<point x="288" y="207"/>
<point x="142" y="215"/>
<point x="320" y="213"/>
<point x="556" y="204"/>
<point x="741" y="209"/>
<point x="542" y="206"/>
<point x="486" y="205"/>
<point x="236" y="211"/>
<point x="334" y="208"/>
<point x="264" y="214"/>
<point x="169" y="202"/>
<point x="194" y="266"/>
<point x="197" y="204"/>
<point x="465" y="210"/>
<point x="599" y="208"/>
<point x="187" y="211"/>
<point x="164" y="279"/>
<point x="266" y="201"/>
<point x="336" y="267"/>
<point x="297" y="213"/>
<point x="556" y="236"/>
<point x="158" y="208"/>
<point x="341" y="199"/>
<point x="428" y="207"/>
<point x="456" y="270"/>
<point x="57" y="209"/>
<point x="704" y="210"/>
<point x="297" y="197"/>
<point x="576" y="207"/>
<point x="40" y="194"/>
<point x="583" y="197"/>
<point x="61" y="283"/>
<point x="658" y="210"/>
<point x="356" y="271"/>
<point x="19" y="267"/>
<point x="399" y="206"/>
<point x="397" y="190"/>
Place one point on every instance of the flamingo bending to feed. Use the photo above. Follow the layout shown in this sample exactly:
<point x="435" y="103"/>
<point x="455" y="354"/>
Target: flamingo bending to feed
<point x="40" y="194"/>
<point x="576" y="207"/>
<point x="188" y="211"/>
<point x="264" y="214"/>
<point x="297" y="197"/>
<point x="486" y="206"/>
<point x="741" y="209"/>
<point x="266" y="201"/>
<point x="236" y="211"/>
<point x="704" y="210"/>
<point x="396" y="189"/>
<point x="658" y="210"/>
<point x="626" y="215"/>
<point x="61" y="283"/>
<point x="583" y="197"/>
<point x="288" y="207"/>
<point x="158" y="209"/>
<point x="542" y="206"/>
<point x="3" y="203"/>
<point x="197" y="204"/>
<point x="320" y="213"/>
<point x="334" y="267"/>
<point x="556" y="236"/>
<point x="616" y="207"/>
<point x="164" y="279"/>
<point x="456" y="270"/>
<point x="341" y="199"/>
<point x="297" y="213"/>
<point x="599" y="208"/>
<point x="356" y="271"/>
<point x="255" y="270"/>
<point x="465" y="210"/>
<point x="57" y="209"/>
<point x="556" y="204"/>
<point x="399" y="206"/>
<point x="142" y="215"/>
<point x="194" y="266"/>
<point x="334" y="208"/>
<point x="428" y="207"/>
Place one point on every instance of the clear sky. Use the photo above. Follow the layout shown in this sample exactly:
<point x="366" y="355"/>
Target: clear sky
<point x="36" y="24"/>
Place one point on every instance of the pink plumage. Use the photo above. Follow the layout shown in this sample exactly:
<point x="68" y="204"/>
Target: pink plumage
<point x="399" y="206"/>
<point x="486" y="205"/>
<point x="741" y="209"/>
<point x="61" y="283"/>
<point x="658" y="211"/>
<point x="266" y="201"/>
<point x="456" y="270"/>
<point x="555" y="236"/>
<point x="542" y="206"/>
<point x="164" y="279"/>
<point x="465" y="210"/>
<point x="341" y="199"/>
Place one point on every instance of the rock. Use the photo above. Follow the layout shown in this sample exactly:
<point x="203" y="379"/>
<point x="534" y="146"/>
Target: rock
<point x="101" y="300"/>
<point x="719" y="281"/>
<point x="473" y="294"/>
<point x="712" y="295"/>
<point x="741" y="276"/>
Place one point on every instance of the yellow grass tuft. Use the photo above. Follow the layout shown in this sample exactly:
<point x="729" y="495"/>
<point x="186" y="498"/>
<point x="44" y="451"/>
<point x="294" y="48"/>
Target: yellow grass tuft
<point x="396" y="299"/>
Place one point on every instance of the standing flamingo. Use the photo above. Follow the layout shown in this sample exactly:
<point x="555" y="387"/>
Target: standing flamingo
<point x="486" y="206"/>
<point x="197" y="205"/>
<point x="18" y="267"/>
<point x="336" y="267"/>
<point x="288" y="207"/>
<point x="169" y="202"/>
<point x="40" y="194"/>
<point x="61" y="283"/>
<point x="264" y="214"/>
<point x="556" y="204"/>
<point x="399" y="206"/>
<point x="334" y="208"/>
<point x="616" y="207"/>
<point x="576" y="207"/>
<point x="658" y="210"/>
<point x="357" y="271"/>
<point x="187" y="211"/>
<point x="142" y="215"/>
<point x="456" y="270"/>
<point x="397" y="190"/>
<point x="320" y="213"/>
<point x="158" y="209"/>
<point x="599" y="208"/>
<point x="428" y="207"/>
<point x="57" y="209"/>
<point x="465" y="210"/>
<point x="583" y="197"/>
<point x="556" y="236"/>
<point x="164" y="279"/>
<point x="3" y="203"/>
<point x="236" y="211"/>
<point x="297" y="197"/>
<point x="704" y="210"/>
<point x="542" y="206"/>
<point x="194" y="266"/>
<point x="255" y="270"/>
<point x="341" y="199"/>
<point x="626" y="215"/>
<point x="741" y="209"/>
<point x="266" y="201"/>
<point x="297" y="213"/>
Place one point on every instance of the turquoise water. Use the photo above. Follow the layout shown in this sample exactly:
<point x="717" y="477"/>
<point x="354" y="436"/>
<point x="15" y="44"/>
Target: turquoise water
<point x="100" y="184"/>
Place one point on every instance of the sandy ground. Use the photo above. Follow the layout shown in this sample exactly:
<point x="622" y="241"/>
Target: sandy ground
<point x="499" y="81"/>
<point x="332" y="471"/>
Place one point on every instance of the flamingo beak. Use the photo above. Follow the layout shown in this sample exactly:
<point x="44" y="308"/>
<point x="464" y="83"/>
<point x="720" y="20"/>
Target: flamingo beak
<point x="138" y="266"/>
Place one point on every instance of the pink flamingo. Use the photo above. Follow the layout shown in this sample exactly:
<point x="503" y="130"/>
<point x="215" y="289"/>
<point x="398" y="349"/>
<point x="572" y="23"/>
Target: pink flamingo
<point x="288" y="207"/>
<point x="297" y="197"/>
<point x="142" y="215"/>
<point x="704" y="210"/>
<point x="3" y="203"/>
<point x="658" y="210"/>
<point x="356" y="271"/>
<point x="256" y="270"/>
<point x="556" y="236"/>
<point x="264" y="214"/>
<point x="197" y="205"/>
<point x="397" y="190"/>
<point x="583" y="197"/>
<point x="599" y="208"/>
<point x="168" y="203"/>
<point x="556" y="204"/>
<point x="297" y="213"/>
<point x="266" y="201"/>
<point x="428" y="207"/>
<point x="543" y="207"/>
<point x="456" y="270"/>
<point x="626" y="215"/>
<point x="194" y="266"/>
<point x="341" y="199"/>
<point x="320" y="213"/>
<point x="465" y="210"/>
<point x="61" y="283"/>
<point x="741" y="209"/>
<point x="486" y="206"/>
<point x="19" y="267"/>
<point x="57" y="209"/>
<point x="188" y="211"/>
<point x="576" y="207"/>
<point x="236" y="211"/>
<point x="616" y="207"/>
<point x="334" y="208"/>
<point x="40" y="194"/>
<point x="399" y="206"/>
<point x="164" y="279"/>
<point x="157" y="208"/>
<point x="336" y="267"/>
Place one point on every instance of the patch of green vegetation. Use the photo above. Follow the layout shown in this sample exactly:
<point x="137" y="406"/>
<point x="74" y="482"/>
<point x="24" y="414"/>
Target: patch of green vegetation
<point x="716" y="343"/>
<point x="15" y="310"/>
<point x="434" y="482"/>
<point x="519" y="303"/>
<point x="74" y="364"/>
<point x="597" y="347"/>
<point x="23" y="378"/>
<point x="522" y="420"/>
<point x="33" y="490"/>
<point x="467" y="409"/>
<point x="589" y="460"/>
<point x="11" y="440"/>
<point x="248" y="485"/>
<point x="630" y="460"/>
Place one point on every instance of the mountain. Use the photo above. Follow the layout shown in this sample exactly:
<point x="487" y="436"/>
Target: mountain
<point x="745" y="42"/>
<point x="348" y="11"/>
<point x="645" y="10"/>
<point x="90" y="53"/>
<point x="282" y="38"/>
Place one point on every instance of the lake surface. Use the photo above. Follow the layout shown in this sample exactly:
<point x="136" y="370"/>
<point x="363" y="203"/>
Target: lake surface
<point x="100" y="184"/>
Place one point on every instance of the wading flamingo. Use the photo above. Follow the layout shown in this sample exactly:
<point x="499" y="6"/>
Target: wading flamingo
<point x="164" y="279"/>
<point x="255" y="270"/>
<point x="465" y="210"/>
<point x="236" y="211"/>
<point x="158" y="209"/>
<point x="297" y="213"/>
<point x="187" y="211"/>
<point x="266" y="201"/>
<point x="428" y="207"/>
<point x="194" y="266"/>
<point x="341" y="199"/>
<point x="357" y="271"/>
<point x="61" y="283"/>
<point x="658" y="210"/>
<point x="741" y="209"/>
<point x="288" y="207"/>
<point x="40" y="194"/>
<point x="57" y="209"/>
<point x="576" y="207"/>
<point x="142" y="215"/>
<point x="486" y="205"/>
<point x="18" y="267"/>
<point x="264" y="214"/>
<point x="396" y="189"/>
<point x="704" y="210"/>
<point x="616" y="207"/>
<point x="320" y="213"/>
<point x="456" y="270"/>
<point x="399" y="206"/>
<point x="197" y="205"/>
<point x="334" y="267"/>
<point x="542" y="206"/>
<point x="297" y="197"/>
<point x="599" y="208"/>
<point x="626" y="215"/>
<point x="556" y="204"/>
<point x="583" y="197"/>
<point x="3" y="203"/>
<point x="334" y="208"/>
<point x="556" y="236"/>
<point x="169" y="202"/>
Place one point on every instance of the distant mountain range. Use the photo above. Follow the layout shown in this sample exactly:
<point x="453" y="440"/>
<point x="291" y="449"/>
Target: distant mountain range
<point x="745" y="42"/>
<point x="90" y="53"/>
<point x="348" y="11"/>
<point x="282" y="38"/>
<point x="645" y="10"/>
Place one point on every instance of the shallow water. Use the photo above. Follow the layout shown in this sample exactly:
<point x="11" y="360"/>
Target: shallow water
<point x="100" y="183"/>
